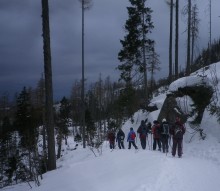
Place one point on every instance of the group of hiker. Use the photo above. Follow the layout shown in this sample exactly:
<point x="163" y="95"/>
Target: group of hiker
<point x="161" y="132"/>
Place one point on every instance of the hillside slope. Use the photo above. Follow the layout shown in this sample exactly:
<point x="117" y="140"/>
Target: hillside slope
<point x="142" y="170"/>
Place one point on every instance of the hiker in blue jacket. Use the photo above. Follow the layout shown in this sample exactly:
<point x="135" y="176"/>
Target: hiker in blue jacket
<point x="131" y="139"/>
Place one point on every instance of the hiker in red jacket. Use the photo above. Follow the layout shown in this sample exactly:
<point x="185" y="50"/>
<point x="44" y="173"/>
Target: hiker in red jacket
<point x="177" y="131"/>
<point x="156" y="135"/>
<point x="111" y="139"/>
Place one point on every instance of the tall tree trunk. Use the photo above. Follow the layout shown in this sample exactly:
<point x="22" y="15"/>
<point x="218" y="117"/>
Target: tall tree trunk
<point x="210" y="30"/>
<point x="49" y="118"/>
<point x="83" y="81"/>
<point x="59" y="144"/>
<point x="100" y="107"/>
<point x="210" y="23"/>
<point x="194" y="30"/>
<point x="144" y="55"/>
<point x="177" y="40"/>
<point x="171" y="43"/>
<point x="188" y="39"/>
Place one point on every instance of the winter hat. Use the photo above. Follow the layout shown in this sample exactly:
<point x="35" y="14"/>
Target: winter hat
<point x="177" y="118"/>
<point x="131" y="129"/>
<point x="155" y="121"/>
<point x="164" y="120"/>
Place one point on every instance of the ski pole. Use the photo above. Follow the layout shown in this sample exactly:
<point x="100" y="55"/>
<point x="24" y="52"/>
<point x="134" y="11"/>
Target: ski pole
<point x="167" y="145"/>
<point x="151" y="141"/>
<point x="148" y="143"/>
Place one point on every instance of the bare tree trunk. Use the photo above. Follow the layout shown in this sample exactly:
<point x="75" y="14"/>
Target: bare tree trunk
<point x="59" y="144"/>
<point x="188" y="39"/>
<point x="48" y="86"/>
<point x="83" y="81"/>
<point x="144" y="56"/>
<point x="85" y="5"/>
<point x="210" y="30"/>
<point x="100" y="107"/>
<point x="177" y="40"/>
<point x="210" y="23"/>
<point x="194" y="30"/>
<point x="171" y="43"/>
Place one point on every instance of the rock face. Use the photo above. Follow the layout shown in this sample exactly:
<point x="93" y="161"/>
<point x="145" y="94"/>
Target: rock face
<point x="170" y="110"/>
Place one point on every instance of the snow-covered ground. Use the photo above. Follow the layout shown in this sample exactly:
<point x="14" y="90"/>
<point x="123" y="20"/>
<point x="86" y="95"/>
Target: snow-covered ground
<point x="128" y="170"/>
<point x="142" y="170"/>
<point x="131" y="170"/>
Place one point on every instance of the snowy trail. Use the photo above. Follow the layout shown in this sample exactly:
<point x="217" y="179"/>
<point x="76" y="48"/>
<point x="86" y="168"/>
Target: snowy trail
<point x="118" y="170"/>
<point x="143" y="171"/>
<point x="128" y="170"/>
<point x="187" y="173"/>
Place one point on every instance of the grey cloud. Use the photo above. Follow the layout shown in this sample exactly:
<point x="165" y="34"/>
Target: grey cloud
<point x="21" y="53"/>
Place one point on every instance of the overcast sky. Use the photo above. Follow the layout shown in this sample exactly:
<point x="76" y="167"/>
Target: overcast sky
<point x="21" y="53"/>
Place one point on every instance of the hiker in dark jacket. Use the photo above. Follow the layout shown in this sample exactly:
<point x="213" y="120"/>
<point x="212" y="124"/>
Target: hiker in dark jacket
<point x="120" y="139"/>
<point x="165" y="131"/>
<point x="131" y="139"/>
<point x="177" y="131"/>
<point x="143" y="131"/>
<point x="111" y="139"/>
<point x="156" y="135"/>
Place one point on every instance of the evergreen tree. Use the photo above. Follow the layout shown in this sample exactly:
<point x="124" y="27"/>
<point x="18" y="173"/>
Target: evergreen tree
<point x="90" y="126"/>
<point x="65" y="108"/>
<point x="27" y="123"/>
<point x="62" y="122"/>
<point x="24" y="119"/>
<point x="127" y="103"/>
<point x="133" y="53"/>
<point x="133" y="56"/>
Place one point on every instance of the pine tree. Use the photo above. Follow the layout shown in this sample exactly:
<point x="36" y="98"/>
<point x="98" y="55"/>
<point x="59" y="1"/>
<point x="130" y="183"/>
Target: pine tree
<point x="135" y="45"/>
<point x="27" y="123"/>
<point x="90" y="126"/>
<point x="24" y="119"/>
<point x="62" y="121"/>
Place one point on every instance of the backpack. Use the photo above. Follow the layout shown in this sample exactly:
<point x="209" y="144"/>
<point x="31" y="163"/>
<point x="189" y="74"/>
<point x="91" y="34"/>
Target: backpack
<point x="120" y="135"/>
<point x="132" y="136"/>
<point x="157" y="130"/>
<point x="143" y="134"/>
<point x="165" y="129"/>
<point x="143" y="130"/>
<point x="178" y="132"/>
<point x="111" y="136"/>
